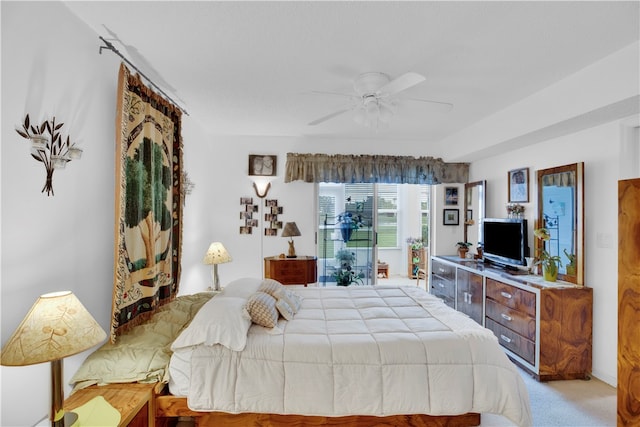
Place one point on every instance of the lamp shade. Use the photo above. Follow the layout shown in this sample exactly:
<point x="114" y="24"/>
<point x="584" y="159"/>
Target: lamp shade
<point x="290" y="230"/>
<point x="57" y="326"/>
<point x="216" y="254"/>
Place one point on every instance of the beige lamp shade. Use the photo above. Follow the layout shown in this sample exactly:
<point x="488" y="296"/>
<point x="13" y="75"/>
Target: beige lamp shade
<point x="57" y="326"/>
<point x="216" y="254"/>
<point x="290" y="230"/>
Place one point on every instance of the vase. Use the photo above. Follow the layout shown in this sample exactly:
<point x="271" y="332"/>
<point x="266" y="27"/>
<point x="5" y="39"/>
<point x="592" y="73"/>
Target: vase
<point x="550" y="273"/>
<point x="346" y="230"/>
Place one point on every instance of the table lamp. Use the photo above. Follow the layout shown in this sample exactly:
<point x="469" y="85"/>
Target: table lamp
<point x="57" y="326"/>
<point x="290" y="230"/>
<point x="216" y="254"/>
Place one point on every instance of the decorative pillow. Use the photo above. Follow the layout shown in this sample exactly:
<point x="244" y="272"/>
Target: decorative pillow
<point x="242" y="288"/>
<point x="270" y="286"/>
<point x="219" y="321"/>
<point x="262" y="309"/>
<point x="285" y="309"/>
<point x="292" y="299"/>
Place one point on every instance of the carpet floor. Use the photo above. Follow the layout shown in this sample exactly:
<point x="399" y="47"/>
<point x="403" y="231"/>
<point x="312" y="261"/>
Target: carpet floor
<point x="573" y="403"/>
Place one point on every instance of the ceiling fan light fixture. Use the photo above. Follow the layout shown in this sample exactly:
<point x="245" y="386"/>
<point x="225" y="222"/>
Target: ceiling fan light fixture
<point x="360" y="116"/>
<point x="385" y="112"/>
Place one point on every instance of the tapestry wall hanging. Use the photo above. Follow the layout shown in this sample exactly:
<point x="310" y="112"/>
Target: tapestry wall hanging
<point x="148" y="229"/>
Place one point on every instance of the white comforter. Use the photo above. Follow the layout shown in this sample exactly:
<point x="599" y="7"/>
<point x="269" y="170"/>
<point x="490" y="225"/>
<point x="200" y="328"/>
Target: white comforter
<point x="362" y="351"/>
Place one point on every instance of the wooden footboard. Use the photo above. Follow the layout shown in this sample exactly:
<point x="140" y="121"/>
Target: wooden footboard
<point x="168" y="406"/>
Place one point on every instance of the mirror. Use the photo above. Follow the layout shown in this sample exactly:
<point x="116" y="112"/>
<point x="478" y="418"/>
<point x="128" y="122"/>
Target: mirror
<point x="474" y="203"/>
<point x="561" y="211"/>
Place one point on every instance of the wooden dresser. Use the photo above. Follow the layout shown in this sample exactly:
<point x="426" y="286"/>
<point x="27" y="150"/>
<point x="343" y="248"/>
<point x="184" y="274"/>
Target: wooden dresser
<point x="301" y="270"/>
<point x="545" y="329"/>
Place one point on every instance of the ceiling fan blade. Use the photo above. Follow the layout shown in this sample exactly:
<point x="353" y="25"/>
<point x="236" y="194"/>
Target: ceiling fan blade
<point x="346" y="95"/>
<point x="328" y="116"/>
<point x="444" y="107"/>
<point x="403" y="82"/>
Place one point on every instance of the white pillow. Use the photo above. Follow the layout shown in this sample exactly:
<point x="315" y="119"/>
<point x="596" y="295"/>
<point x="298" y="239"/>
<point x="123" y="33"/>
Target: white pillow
<point x="242" y="288"/>
<point x="292" y="299"/>
<point x="219" y="321"/>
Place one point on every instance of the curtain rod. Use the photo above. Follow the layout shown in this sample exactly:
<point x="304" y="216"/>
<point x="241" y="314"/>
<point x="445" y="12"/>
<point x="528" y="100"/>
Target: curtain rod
<point x="112" y="48"/>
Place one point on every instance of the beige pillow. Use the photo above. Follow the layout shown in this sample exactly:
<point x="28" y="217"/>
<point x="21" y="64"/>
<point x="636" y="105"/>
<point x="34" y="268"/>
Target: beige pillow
<point x="270" y="286"/>
<point x="285" y="309"/>
<point x="262" y="309"/>
<point x="292" y="299"/>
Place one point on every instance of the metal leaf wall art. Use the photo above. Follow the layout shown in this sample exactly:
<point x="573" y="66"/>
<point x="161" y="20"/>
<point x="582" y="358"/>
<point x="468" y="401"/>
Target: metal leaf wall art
<point x="49" y="147"/>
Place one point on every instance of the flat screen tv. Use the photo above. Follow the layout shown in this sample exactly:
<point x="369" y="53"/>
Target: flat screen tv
<point x="505" y="241"/>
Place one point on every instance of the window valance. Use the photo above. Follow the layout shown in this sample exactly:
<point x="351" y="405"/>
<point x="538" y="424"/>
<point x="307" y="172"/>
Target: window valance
<point x="349" y="168"/>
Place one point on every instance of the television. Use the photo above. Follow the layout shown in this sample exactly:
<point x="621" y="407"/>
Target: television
<point x="505" y="241"/>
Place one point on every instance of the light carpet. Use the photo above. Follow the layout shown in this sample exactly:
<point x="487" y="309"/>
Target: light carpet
<point x="572" y="403"/>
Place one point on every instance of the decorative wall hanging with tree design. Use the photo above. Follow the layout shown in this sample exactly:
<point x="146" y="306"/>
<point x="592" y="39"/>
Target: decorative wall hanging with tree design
<point x="148" y="203"/>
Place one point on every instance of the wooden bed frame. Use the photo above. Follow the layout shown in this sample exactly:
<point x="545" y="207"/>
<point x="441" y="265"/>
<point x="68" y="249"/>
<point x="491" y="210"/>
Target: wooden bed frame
<point x="168" y="407"/>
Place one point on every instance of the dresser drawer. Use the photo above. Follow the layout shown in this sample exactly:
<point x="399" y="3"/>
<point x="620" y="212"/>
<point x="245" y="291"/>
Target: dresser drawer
<point x="519" y="322"/>
<point x="443" y="270"/>
<point x="514" y="342"/>
<point x="512" y="297"/>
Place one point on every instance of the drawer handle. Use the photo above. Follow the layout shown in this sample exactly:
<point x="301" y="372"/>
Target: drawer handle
<point x="505" y="338"/>
<point x="505" y="294"/>
<point x="506" y="317"/>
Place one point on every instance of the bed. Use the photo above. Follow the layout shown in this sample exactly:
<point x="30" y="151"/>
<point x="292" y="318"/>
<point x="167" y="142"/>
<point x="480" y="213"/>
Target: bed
<point x="336" y="355"/>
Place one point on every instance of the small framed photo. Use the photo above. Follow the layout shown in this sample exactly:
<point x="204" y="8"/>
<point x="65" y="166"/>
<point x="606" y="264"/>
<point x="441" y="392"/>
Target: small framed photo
<point x="451" y="196"/>
<point x="262" y="165"/>
<point x="518" y="185"/>
<point x="451" y="217"/>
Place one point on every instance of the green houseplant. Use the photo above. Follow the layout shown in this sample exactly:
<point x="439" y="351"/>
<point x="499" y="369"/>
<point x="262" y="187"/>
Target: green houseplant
<point x="463" y="248"/>
<point x="549" y="263"/>
<point x="345" y="274"/>
<point x="571" y="267"/>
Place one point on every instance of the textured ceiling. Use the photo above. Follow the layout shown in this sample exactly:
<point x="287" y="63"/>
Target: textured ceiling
<point x="249" y="68"/>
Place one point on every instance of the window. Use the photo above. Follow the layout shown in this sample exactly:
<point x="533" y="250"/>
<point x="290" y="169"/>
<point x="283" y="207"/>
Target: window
<point x="387" y="215"/>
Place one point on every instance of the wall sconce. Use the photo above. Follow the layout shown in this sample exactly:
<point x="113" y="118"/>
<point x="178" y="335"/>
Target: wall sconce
<point x="53" y="150"/>
<point x="261" y="187"/>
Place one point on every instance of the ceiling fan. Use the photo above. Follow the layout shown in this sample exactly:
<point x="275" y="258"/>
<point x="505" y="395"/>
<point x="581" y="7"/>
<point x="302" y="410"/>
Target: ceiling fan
<point x="374" y="99"/>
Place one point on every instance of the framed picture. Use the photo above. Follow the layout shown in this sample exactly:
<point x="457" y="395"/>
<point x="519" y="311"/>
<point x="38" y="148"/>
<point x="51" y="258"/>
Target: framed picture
<point x="519" y="185"/>
<point x="451" y="217"/>
<point x="451" y="196"/>
<point x="262" y="165"/>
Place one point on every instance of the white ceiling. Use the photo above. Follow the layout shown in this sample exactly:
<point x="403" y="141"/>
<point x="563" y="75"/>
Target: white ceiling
<point x="249" y="68"/>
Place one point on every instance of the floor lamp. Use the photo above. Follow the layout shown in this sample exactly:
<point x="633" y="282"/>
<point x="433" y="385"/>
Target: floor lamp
<point x="57" y="326"/>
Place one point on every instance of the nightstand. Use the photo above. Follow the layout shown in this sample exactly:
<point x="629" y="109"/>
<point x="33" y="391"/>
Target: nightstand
<point x="300" y="270"/>
<point x="134" y="401"/>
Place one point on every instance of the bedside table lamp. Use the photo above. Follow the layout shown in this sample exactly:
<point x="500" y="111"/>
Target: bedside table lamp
<point x="216" y="254"/>
<point x="57" y="326"/>
<point x="290" y="230"/>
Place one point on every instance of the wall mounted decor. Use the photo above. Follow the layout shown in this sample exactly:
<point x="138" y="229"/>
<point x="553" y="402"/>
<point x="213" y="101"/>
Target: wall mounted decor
<point x="247" y="214"/>
<point x="262" y="165"/>
<point x="53" y="150"/>
<point x="450" y="217"/>
<point x="518" y="185"/>
<point x="451" y="196"/>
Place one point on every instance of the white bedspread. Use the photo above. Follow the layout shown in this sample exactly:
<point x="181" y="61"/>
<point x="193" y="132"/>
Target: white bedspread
<point x="362" y="351"/>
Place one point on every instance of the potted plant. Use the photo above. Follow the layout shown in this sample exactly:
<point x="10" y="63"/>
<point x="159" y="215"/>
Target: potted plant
<point x="347" y="276"/>
<point x="348" y="222"/>
<point x="345" y="257"/>
<point x="571" y="267"/>
<point x="549" y="263"/>
<point x="463" y="248"/>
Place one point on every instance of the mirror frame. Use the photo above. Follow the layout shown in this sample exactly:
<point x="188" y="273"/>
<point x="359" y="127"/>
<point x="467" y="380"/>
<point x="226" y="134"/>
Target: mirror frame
<point x="578" y="169"/>
<point x="468" y="188"/>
